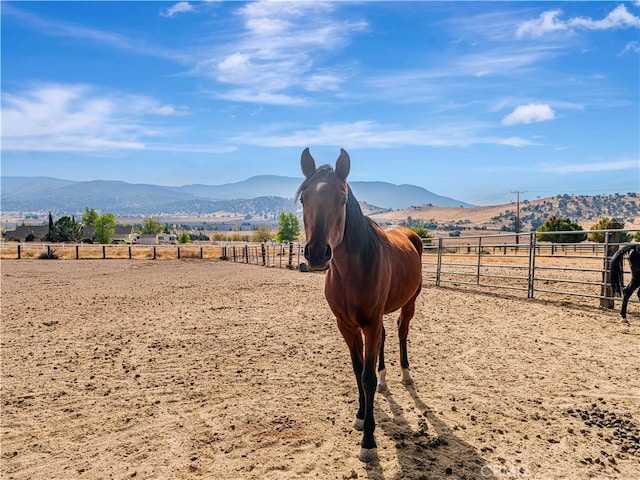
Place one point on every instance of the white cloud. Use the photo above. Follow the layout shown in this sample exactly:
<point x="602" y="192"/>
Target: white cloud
<point x="533" y="112"/>
<point x="550" y="21"/>
<point x="57" y="117"/>
<point x="180" y="7"/>
<point x="624" y="164"/>
<point x="278" y="50"/>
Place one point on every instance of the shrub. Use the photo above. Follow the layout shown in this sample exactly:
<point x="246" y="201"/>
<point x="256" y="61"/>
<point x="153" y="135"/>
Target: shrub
<point x="557" y="224"/>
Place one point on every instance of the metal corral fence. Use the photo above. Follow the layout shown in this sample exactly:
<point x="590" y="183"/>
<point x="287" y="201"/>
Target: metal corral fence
<point x="537" y="269"/>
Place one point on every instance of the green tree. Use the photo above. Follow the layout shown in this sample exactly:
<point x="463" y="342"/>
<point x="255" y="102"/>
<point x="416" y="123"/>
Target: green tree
<point x="184" y="237"/>
<point x="105" y="228"/>
<point x="288" y="227"/>
<point x="607" y="224"/>
<point x="153" y="226"/>
<point x="65" y="229"/>
<point x="89" y="217"/>
<point x="423" y="233"/>
<point x="262" y="234"/>
<point x="557" y="224"/>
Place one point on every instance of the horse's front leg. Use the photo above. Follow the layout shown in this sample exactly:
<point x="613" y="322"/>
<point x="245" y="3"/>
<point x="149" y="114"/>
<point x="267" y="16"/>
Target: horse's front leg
<point x="372" y="341"/>
<point x="353" y="339"/>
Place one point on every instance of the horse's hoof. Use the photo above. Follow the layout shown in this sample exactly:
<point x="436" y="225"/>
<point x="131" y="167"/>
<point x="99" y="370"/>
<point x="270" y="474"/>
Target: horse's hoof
<point x="358" y="424"/>
<point x="368" y="454"/>
<point x="625" y="321"/>
<point x="382" y="387"/>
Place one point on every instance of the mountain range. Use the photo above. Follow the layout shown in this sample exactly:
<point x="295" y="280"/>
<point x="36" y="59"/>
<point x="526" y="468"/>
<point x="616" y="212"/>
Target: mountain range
<point x="273" y="193"/>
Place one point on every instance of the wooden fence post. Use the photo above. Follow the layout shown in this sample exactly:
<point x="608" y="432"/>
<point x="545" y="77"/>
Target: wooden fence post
<point x="104" y="252"/>
<point x="77" y="252"/>
<point x="19" y="253"/>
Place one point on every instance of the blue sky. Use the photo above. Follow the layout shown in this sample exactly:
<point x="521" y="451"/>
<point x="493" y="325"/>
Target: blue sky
<point x="471" y="100"/>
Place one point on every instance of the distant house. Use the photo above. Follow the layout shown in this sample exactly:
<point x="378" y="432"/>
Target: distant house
<point x="155" y="239"/>
<point x="23" y="233"/>
<point x="37" y="233"/>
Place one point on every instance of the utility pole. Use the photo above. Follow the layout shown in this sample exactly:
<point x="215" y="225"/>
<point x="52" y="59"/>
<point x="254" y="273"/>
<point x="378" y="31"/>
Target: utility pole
<point x="517" y="192"/>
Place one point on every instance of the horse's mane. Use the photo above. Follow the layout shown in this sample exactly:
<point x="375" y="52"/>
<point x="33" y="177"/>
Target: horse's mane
<point x="361" y="234"/>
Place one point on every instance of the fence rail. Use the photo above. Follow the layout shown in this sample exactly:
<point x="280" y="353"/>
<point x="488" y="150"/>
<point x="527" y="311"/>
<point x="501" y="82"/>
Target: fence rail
<point x="481" y="262"/>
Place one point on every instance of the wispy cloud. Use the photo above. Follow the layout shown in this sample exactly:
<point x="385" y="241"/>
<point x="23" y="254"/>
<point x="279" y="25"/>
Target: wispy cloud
<point x="58" y="117"/>
<point x="631" y="47"/>
<point x="370" y="134"/>
<point x="611" y="166"/>
<point x="277" y="49"/>
<point x="103" y="37"/>
<point x="533" y="112"/>
<point x="550" y="21"/>
<point x="180" y="7"/>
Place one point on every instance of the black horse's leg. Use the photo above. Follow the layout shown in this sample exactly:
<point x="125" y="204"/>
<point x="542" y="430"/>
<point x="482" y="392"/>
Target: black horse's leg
<point x="628" y="291"/>
<point x="372" y="340"/>
<point x="382" y="372"/>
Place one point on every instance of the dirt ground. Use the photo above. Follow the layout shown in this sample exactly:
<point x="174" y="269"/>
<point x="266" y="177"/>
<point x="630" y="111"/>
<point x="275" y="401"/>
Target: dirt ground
<point x="180" y="369"/>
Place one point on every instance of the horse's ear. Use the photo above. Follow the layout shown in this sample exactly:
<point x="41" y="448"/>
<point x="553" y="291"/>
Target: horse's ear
<point x="307" y="163"/>
<point x="343" y="165"/>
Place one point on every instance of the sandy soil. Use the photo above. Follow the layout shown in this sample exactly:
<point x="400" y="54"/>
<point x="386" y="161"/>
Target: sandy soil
<point x="179" y="369"/>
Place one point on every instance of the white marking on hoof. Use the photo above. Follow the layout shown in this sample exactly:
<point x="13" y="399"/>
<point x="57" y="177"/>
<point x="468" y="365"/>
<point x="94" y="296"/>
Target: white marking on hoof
<point x="625" y="321"/>
<point x="382" y="381"/>
<point x="358" y="424"/>
<point x="406" y="377"/>
<point x="368" y="454"/>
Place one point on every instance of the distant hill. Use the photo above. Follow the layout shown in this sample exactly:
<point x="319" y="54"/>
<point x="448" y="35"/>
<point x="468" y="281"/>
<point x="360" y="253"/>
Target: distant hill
<point x="33" y="194"/>
<point x="585" y="210"/>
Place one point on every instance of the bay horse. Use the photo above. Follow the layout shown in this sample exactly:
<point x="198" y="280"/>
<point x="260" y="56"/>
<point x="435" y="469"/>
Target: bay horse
<point x="632" y="250"/>
<point x="370" y="272"/>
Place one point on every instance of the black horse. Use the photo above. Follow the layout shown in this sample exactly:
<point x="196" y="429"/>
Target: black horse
<point x="617" y="275"/>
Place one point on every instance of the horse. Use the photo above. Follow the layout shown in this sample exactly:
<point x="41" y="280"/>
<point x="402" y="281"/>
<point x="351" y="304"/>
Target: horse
<point x="631" y="250"/>
<point x="369" y="272"/>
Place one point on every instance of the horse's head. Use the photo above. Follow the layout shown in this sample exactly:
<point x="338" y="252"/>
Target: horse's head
<point x="323" y="195"/>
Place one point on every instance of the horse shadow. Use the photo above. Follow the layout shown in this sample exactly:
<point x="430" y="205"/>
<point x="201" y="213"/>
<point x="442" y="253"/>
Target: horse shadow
<point x="433" y="451"/>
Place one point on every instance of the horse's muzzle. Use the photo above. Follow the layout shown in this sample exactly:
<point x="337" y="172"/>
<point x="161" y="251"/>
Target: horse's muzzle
<point x="317" y="256"/>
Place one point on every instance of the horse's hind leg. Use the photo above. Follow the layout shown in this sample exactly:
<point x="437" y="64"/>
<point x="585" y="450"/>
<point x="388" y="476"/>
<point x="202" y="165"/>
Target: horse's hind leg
<point x="628" y="291"/>
<point x="406" y="314"/>
<point x="382" y="371"/>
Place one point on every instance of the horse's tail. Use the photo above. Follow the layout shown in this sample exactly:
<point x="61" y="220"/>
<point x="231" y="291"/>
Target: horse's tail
<point x="617" y="269"/>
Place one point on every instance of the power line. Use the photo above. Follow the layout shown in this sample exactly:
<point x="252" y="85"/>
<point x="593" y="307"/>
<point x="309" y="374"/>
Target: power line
<point x="518" y="192"/>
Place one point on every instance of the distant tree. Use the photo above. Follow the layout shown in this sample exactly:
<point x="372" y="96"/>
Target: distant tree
<point x="184" y="237"/>
<point x="607" y="224"/>
<point x="153" y="226"/>
<point x="455" y="233"/>
<point x="423" y="233"/>
<point x="557" y="224"/>
<point x="288" y="227"/>
<point x="65" y="229"/>
<point x="89" y="217"/>
<point x="262" y="234"/>
<point x="105" y="228"/>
